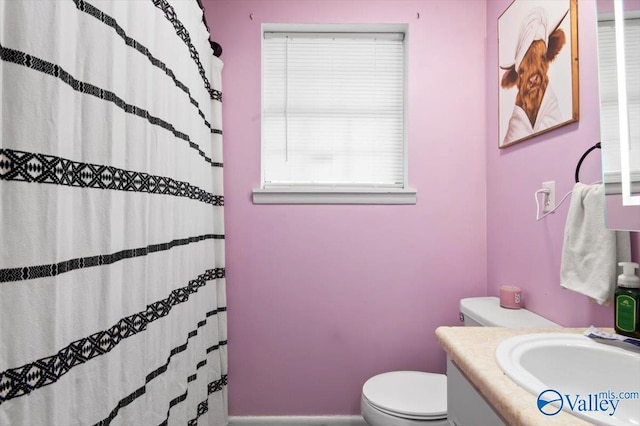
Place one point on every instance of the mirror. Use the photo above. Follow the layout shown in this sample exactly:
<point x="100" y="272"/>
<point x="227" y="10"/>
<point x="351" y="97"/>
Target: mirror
<point x="619" y="66"/>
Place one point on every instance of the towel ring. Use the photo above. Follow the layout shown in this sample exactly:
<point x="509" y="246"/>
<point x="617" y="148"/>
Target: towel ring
<point x="587" y="152"/>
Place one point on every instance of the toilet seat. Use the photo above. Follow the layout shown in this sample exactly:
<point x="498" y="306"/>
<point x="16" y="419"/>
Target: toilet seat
<point x="410" y="395"/>
<point x="400" y="415"/>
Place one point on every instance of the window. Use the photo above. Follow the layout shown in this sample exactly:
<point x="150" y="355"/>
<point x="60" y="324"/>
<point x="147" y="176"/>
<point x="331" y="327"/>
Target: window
<point x="333" y="115"/>
<point x="609" y="123"/>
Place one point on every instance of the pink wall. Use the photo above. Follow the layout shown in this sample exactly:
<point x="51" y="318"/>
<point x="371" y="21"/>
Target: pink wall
<point x="522" y="251"/>
<point x="323" y="297"/>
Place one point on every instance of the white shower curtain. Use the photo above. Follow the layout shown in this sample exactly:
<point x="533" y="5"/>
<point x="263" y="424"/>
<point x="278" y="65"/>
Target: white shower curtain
<point x="112" y="288"/>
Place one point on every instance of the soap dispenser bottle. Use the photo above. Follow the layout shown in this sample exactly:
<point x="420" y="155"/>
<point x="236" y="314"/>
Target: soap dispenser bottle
<point x="627" y="301"/>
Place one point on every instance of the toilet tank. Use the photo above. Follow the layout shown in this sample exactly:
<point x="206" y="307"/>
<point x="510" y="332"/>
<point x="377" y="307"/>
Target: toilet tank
<point x="487" y="312"/>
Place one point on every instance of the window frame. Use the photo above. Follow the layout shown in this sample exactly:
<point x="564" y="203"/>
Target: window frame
<point x="331" y="194"/>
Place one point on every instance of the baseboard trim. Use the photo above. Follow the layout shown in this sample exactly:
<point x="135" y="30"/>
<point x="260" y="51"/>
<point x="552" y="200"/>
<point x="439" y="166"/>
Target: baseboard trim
<point x="296" y="421"/>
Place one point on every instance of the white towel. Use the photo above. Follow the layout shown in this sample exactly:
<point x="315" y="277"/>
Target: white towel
<point x="590" y="252"/>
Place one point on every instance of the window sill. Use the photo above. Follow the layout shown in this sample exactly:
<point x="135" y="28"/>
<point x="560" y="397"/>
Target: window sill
<point x="613" y="182"/>
<point x="334" y="196"/>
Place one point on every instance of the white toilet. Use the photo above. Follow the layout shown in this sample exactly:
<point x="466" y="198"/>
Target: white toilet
<point x="413" y="398"/>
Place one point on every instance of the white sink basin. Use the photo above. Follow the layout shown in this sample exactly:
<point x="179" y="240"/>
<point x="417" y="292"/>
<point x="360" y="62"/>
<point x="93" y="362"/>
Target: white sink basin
<point x="592" y="380"/>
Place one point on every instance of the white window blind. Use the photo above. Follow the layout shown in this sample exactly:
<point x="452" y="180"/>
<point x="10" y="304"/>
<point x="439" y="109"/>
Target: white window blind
<point x="609" y="124"/>
<point x="333" y="110"/>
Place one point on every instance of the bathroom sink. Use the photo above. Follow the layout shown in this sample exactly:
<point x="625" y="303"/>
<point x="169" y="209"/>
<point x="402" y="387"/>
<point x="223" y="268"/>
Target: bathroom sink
<point x="595" y="381"/>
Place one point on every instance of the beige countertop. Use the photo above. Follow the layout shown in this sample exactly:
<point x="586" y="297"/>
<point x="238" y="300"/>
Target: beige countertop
<point x="472" y="349"/>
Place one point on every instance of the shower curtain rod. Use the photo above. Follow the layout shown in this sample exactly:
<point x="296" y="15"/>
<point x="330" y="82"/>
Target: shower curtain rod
<point x="217" y="49"/>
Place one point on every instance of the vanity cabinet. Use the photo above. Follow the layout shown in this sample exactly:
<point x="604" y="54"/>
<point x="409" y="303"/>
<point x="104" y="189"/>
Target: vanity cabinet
<point x="465" y="405"/>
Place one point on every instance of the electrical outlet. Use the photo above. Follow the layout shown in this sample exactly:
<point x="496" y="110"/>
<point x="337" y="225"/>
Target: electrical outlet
<point x="550" y="198"/>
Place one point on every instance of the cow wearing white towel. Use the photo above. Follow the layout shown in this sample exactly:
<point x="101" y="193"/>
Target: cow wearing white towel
<point x="536" y="106"/>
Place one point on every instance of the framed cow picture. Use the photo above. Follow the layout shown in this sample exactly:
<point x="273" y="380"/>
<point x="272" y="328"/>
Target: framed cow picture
<point x="537" y="68"/>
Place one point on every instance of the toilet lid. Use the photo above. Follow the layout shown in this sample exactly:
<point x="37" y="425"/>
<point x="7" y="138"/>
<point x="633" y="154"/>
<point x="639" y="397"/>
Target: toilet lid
<point x="408" y="393"/>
